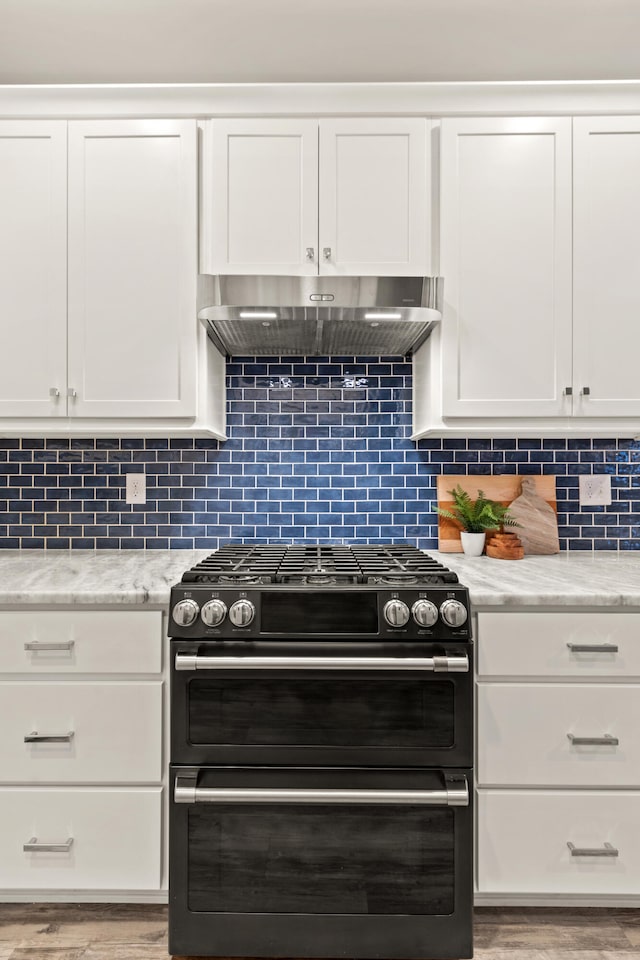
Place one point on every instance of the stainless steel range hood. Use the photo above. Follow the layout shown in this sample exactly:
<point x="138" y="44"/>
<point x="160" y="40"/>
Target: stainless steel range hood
<point x="318" y="316"/>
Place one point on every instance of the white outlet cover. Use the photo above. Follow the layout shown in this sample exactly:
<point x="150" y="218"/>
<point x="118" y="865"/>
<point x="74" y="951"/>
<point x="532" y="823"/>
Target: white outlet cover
<point x="136" y="488"/>
<point x="595" y="490"/>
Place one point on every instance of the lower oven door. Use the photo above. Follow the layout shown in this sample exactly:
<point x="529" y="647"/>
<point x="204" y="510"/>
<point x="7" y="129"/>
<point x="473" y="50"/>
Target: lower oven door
<point x="320" y="863"/>
<point x="322" y="704"/>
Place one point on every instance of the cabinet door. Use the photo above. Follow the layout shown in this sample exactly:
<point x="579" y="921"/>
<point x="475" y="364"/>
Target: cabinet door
<point x="132" y="268"/>
<point x="374" y="197"/>
<point x="606" y="266"/>
<point x="33" y="268"/>
<point x="260" y="197"/>
<point x="506" y="263"/>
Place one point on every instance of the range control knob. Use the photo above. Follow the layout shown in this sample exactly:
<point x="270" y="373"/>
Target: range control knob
<point x="453" y="613"/>
<point x="242" y="613"/>
<point x="425" y="613"/>
<point x="213" y="612"/>
<point x="396" y="613"/>
<point x="185" y="612"/>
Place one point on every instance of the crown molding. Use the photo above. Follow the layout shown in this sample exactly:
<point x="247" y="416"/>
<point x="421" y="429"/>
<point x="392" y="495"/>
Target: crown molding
<point x="319" y="99"/>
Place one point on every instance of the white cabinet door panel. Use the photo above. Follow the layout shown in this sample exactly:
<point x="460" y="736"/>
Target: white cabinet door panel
<point x="607" y="265"/>
<point x="81" y="641"/>
<point x="260" y="197"/>
<point x="374" y="197"/>
<point x="523" y="837"/>
<point x="115" y="836"/>
<point x="506" y="260"/>
<point x="33" y="268"/>
<point x="116" y="727"/>
<point x="523" y="734"/>
<point x="132" y="268"/>
<point x="584" y="646"/>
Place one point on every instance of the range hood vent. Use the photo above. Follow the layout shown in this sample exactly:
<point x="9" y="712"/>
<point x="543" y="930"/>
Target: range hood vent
<point x="319" y="316"/>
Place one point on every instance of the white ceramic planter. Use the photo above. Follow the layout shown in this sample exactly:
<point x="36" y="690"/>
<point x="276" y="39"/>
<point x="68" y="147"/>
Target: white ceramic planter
<point x="472" y="543"/>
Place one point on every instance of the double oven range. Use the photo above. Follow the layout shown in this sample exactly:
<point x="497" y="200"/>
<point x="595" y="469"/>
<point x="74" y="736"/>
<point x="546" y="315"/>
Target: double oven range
<point x="321" y="755"/>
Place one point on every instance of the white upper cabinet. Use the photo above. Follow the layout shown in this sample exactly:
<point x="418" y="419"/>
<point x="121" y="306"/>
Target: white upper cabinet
<point x="33" y="268"/>
<point x="260" y="197"/>
<point x="374" y="197"/>
<point x="606" y="266"/>
<point x="132" y="268"/>
<point x="304" y="197"/>
<point x="506" y="259"/>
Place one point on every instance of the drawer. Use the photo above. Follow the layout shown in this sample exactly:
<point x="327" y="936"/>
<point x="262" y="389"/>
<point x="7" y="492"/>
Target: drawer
<point x="116" y="732"/>
<point x="537" y="645"/>
<point x="87" y="641"/>
<point x="116" y="838"/>
<point x="523" y="837"/>
<point x="523" y="734"/>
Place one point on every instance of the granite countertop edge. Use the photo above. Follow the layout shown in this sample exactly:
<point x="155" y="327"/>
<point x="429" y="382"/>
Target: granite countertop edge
<point x="144" y="578"/>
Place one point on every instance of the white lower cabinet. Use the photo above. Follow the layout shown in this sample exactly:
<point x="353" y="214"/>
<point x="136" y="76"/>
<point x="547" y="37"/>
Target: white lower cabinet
<point x="82" y="714"/>
<point x="81" y="838"/>
<point x="545" y="734"/>
<point x="80" y="732"/>
<point x="524" y="837"/>
<point x="558" y="757"/>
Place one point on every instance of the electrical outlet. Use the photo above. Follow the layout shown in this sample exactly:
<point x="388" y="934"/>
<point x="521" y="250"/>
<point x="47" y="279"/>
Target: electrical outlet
<point x="136" y="488"/>
<point x="595" y="490"/>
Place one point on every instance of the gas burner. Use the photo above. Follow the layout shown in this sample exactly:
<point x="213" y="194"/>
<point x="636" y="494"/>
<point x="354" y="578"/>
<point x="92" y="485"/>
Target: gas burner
<point x="394" y="580"/>
<point x="241" y="578"/>
<point x="319" y="578"/>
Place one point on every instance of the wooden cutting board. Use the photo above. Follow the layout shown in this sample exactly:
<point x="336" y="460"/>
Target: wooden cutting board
<point x="504" y="488"/>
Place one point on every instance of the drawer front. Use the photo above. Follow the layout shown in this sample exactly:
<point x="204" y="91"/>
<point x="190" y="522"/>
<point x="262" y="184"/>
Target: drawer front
<point x="523" y="734"/>
<point x="65" y="641"/>
<point x="523" y="837"/>
<point x="116" y="732"/>
<point x="549" y="645"/>
<point x="116" y="838"/>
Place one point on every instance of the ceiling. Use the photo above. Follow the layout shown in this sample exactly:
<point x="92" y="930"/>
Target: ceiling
<point x="260" y="41"/>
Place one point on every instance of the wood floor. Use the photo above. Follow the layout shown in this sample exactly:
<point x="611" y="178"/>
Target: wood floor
<point x="129" y="932"/>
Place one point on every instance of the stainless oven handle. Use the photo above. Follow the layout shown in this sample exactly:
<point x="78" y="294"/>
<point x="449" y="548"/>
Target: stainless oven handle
<point x="454" y="794"/>
<point x="443" y="664"/>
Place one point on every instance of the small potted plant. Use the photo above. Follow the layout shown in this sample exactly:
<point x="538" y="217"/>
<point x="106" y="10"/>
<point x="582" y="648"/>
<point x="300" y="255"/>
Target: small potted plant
<point x="476" y="517"/>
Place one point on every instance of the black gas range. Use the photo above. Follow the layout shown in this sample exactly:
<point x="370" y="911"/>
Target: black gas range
<point x="321" y="755"/>
<point x="251" y="592"/>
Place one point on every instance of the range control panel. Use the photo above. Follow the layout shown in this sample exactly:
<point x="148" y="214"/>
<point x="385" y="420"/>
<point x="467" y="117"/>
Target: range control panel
<point x="282" y="612"/>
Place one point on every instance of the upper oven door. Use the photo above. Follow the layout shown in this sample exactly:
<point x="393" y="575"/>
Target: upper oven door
<point x="322" y="703"/>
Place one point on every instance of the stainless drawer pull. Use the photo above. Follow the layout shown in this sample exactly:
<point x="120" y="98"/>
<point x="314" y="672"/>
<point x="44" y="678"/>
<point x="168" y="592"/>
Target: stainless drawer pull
<point x="593" y="647"/>
<point x="454" y="794"/>
<point x="606" y="741"/>
<point x="606" y="851"/>
<point x="34" y="846"/>
<point x="35" y="737"/>
<point x="187" y="661"/>
<point x="36" y="645"/>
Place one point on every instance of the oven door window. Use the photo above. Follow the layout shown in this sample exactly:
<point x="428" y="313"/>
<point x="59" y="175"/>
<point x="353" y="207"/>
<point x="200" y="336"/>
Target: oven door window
<point x="321" y="859"/>
<point x="324" y="710"/>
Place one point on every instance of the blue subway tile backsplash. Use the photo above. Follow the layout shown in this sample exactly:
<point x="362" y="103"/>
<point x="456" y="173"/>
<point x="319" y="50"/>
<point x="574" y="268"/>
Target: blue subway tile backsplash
<point x="318" y="450"/>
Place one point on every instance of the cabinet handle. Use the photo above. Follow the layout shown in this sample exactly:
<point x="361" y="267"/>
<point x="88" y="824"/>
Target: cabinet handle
<point x="585" y="392"/>
<point x="326" y="253"/>
<point x="71" y="393"/>
<point x="593" y="647"/>
<point x="54" y="393"/>
<point x="605" y="741"/>
<point x="606" y="851"/>
<point x="35" y="737"/>
<point x="36" y="646"/>
<point x="311" y="253"/>
<point x="568" y="391"/>
<point x="34" y="846"/>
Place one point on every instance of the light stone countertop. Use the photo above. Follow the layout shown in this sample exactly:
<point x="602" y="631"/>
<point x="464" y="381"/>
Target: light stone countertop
<point x="119" y="577"/>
